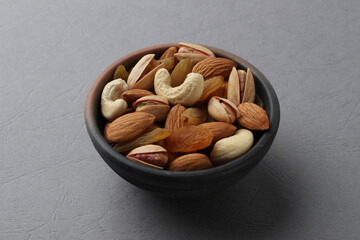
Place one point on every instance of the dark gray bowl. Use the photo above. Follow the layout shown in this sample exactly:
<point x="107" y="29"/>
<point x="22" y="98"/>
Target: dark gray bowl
<point x="180" y="184"/>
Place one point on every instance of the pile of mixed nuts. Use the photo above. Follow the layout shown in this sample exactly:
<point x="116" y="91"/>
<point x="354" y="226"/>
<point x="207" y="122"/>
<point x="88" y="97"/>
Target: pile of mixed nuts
<point x="189" y="110"/>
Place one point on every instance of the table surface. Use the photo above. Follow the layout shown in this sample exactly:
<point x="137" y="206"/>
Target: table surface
<point x="54" y="185"/>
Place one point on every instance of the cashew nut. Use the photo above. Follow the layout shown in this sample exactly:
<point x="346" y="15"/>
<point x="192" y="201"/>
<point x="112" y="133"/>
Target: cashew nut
<point x="112" y="106"/>
<point x="228" y="149"/>
<point x="187" y="93"/>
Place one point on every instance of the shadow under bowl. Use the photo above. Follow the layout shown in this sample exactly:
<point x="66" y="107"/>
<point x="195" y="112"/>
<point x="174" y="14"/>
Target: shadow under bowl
<point x="180" y="184"/>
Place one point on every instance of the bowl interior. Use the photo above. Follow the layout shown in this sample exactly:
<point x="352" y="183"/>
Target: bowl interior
<point x="95" y="122"/>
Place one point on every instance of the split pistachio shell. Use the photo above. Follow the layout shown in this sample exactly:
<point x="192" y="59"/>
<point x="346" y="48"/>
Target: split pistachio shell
<point x="151" y="155"/>
<point x="241" y="86"/>
<point x="249" y="89"/>
<point x="193" y="52"/>
<point x="196" y="48"/>
<point x="223" y="110"/>
<point x="153" y="104"/>
<point x="188" y="93"/>
<point x="227" y="149"/>
<point x="139" y="69"/>
<point x="242" y="79"/>
<point x="112" y="106"/>
<point x="191" y="56"/>
<point x="147" y="82"/>
<point x="233" y="91"/>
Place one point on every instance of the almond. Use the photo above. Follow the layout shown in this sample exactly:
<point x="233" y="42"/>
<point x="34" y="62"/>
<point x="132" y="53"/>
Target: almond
<point x="128" y="127"/>
<point x="219" y="129"/>
<point x="173" y="120"/>
<point x="132" y="95"/>
<point x="169" y="53"/>
<point x="212" y="67"/>
<point x="253" y="117"/>
<point x="190" y="162"/>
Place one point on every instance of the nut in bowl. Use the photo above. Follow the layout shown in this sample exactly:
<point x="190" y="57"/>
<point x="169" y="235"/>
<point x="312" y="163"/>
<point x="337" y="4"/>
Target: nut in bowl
<point x="193" y="122"/>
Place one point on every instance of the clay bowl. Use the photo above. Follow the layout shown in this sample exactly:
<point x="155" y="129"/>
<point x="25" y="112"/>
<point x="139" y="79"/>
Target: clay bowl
<point x="180" y="184"/>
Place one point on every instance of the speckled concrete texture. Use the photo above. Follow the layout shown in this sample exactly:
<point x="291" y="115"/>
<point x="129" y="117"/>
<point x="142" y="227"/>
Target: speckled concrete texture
<point x="54" y="185"/>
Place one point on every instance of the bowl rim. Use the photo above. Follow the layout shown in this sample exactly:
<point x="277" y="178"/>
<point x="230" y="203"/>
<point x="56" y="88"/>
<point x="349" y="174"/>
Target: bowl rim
<point x="215" y="172"/>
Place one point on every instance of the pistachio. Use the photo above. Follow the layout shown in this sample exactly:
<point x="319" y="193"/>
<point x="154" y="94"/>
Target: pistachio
<point x="242" y="79"/>
<point x="233" y="91"/>
<point x="142" y="75"/>
<point x="153" y="104"/>
<point x="241" y="86"/>
<point x="151" y="155"/>
<point x="223" y="110"/>
<point x="249" y="88"/>
<point x="194" y="52"/>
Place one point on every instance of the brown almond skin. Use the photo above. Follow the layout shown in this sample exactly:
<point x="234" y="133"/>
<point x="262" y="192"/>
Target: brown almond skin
<point x="128" y="126"/>
<point x="190" y="162"/>
<point x="169" y="53"/>
<point x="219" y="129"/>
<point x="253" y="117"/>
<point x="132" y="95"/>
<point x="173" y="119"/>
<point x="212" y="67"/>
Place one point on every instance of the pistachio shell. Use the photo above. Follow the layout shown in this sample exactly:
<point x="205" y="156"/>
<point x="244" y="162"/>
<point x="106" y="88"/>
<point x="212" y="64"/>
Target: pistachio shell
<point x="154" y="98"/>
<point x="148" y="149"/>
<point x="147" y="82"/>
<point x="242" y="79"/>
<point x="249" y="89"/>
<point x="159" y="110"/>
<point x="139" y="69"/>
<point x="191" y="56"/>
<point x="151" y="155"/>
<point x="223" y="110"/>
<point x="233" y="91"/>
<point x="198" y="48"/>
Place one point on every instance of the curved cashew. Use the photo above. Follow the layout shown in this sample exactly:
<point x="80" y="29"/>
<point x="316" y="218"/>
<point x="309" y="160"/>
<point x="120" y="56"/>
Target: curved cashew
<point x="227" y="149"/>
<point x="187" y="93"/>
<point x="112" y="106"/>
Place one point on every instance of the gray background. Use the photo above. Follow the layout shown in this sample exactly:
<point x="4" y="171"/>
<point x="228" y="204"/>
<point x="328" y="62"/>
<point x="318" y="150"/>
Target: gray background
<point x="54" y="185"/>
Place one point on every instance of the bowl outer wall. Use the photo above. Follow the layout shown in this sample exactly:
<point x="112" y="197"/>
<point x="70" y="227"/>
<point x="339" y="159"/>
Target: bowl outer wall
<point x="154" y="179"/>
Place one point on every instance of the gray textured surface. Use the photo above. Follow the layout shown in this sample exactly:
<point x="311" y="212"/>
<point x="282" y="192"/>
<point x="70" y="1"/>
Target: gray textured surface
<point x="53" y="184"/>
